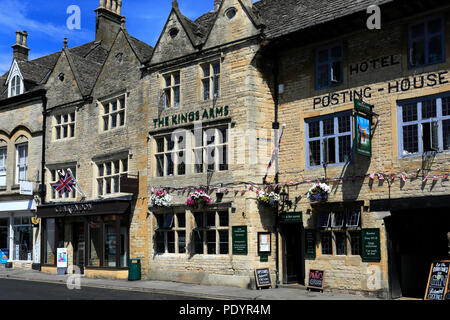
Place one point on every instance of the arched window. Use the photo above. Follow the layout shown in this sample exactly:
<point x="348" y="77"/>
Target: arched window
<point x="15" y="86"/>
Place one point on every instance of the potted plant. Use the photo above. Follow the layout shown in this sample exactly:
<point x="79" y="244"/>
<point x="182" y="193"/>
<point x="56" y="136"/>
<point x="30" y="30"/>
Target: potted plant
<point x="319" y="192"/>
<point x="267" y="199"/>
<point x="161" y="199"/>
<point x="198" y="199"/>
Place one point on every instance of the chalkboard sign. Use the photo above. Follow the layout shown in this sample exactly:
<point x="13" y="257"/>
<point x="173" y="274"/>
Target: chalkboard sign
<point x="316" y="279"/>
<point x="371" y="245"/>
<point x="240" y="245"/>
<point x="438" y="281"/>
<point x="310" y="243"/>
<point x="263" y="278"/>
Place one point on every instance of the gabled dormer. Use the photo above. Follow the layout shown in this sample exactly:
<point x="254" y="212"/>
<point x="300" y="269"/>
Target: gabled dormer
<point x="177" y="39"/>
<point x="234" y="20"/>
<point x="15" y="81"/>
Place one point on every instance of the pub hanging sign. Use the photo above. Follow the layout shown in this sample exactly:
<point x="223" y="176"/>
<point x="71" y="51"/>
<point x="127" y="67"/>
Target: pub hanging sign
<point x="363" y="128"/>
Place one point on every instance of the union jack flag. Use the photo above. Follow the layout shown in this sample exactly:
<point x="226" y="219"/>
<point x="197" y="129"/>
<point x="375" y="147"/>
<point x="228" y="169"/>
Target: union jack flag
<point x="65" y="183"/>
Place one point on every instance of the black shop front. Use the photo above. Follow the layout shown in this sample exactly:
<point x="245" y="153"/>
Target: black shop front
<point x="417" y="234"/>
<point x="95" y="233"/>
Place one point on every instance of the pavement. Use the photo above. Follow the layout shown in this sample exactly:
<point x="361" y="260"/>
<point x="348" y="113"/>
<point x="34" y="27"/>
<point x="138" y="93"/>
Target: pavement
<point x="186" y="289"/>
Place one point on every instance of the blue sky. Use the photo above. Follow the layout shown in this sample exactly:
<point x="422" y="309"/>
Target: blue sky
<point x="45" y="22"/>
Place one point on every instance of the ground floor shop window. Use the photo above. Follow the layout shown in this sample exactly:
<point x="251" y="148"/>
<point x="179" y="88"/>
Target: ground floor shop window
<point x="170" y="234"/>
<point x="211" y="233"/>
<point x="4" y="234"/>
<point x="23" y="239"/>
<point x="107" y="241"/>
<point x="49" y="241"/>
<point x="340" y="231"/>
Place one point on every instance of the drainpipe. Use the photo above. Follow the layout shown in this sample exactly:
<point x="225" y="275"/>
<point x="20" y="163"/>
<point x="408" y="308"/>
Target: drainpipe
<point x="44" y="130"/>
<point x="276" y="127"/>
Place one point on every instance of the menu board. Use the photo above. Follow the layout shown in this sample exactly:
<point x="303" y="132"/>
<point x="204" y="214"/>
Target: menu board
<point x="437" y="285"/>
<point x="371" y="245"/>
<point x="310" y="243"/>
<point x="240" y="245"/>
<point x="263" y="277"/>
<point x="316" y="279"/>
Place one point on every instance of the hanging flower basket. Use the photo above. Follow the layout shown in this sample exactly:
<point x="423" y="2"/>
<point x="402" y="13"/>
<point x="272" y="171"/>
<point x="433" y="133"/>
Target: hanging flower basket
<point x="198" y="199"/>
<point x="267" y="199"/>
<point x="319" y="192"/>
<point x="161" y="199"/>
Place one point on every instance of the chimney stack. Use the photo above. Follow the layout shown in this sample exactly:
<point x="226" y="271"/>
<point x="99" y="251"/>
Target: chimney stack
<point x="109" y="20"/>
<point x="65" y="43"/>
<point x="20" y="49"/>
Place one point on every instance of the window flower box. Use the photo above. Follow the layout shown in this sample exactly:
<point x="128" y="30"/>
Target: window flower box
<point x="198" y="199"/>
<point x="161" y="199"/>
<point x="319" y="192"/>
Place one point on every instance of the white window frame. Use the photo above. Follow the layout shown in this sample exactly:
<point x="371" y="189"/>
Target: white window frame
<point x="439" y="119"/>
<point x="15" y="81"/>
<point x="20" y="165"/>
<point x="323" y="139"/>
<point x="3" y="165"/>
<point x="108" y="114"/>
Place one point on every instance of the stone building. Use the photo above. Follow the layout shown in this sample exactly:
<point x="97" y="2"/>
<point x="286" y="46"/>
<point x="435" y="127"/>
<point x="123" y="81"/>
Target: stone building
<point x="22" y="103"/>
<point x="386" y="218"/>
<point x="305" y="65"/>
<point x="207" y="102"/>
<point x="95" y="115"/>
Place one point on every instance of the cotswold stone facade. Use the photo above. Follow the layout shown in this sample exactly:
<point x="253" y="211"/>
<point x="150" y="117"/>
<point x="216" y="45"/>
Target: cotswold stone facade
<point x="202" y="112"/>
<point x="193" y="250"/>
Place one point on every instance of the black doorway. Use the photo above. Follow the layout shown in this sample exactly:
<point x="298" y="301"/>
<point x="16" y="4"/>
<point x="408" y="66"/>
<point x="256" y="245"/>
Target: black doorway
<point x="79" y="245"/>
<point x="293" y="253"/>
<point x="416" y="238"/>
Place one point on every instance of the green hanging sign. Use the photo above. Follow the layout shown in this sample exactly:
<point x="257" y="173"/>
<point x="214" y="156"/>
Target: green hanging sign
<point x="363" y="128"/>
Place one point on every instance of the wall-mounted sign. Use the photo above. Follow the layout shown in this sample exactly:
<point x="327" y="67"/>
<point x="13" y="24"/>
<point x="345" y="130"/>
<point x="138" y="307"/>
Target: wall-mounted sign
<point x="291" y="217"/>
<point x="262" y="277"/>
<point x="188" y="117"/>
<point x="316" y="279"/>
<point x="438" y="281"/>
<point x="264" y="242"/>
<point x="371" y="245"/>
<point x="240" y="244"/>
<point x="310" y="243"/>
<point x="26" y="188"/>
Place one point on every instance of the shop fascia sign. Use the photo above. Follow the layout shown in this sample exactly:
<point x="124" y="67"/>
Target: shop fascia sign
<point x="189" y="117"/>
<point x="363" y="119"/>
<point x="72" y="209"/>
